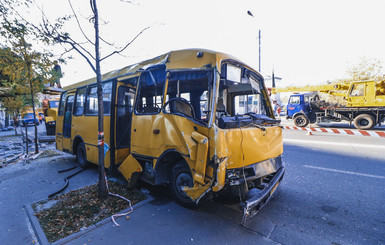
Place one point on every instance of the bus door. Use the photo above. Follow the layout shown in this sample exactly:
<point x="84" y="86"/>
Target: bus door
<point x="124" y="109"/>
<point x="67" y="123"/>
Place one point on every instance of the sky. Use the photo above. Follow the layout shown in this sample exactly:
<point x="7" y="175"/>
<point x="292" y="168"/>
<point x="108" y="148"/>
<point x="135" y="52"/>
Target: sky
<point x="303" y="41"/>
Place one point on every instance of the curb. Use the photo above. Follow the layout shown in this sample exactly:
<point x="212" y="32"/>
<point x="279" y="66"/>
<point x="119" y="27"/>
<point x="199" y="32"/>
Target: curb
<point x="41" y="237"/>
<point x="378" y="134"/>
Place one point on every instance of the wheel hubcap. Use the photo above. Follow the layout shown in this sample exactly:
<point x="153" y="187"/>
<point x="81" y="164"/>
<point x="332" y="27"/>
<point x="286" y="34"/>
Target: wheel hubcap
<point x="364" y="122"/>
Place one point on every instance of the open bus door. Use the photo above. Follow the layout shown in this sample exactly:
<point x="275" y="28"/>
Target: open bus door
<point x="65" y="130"/>
<point x="124" y="109"/>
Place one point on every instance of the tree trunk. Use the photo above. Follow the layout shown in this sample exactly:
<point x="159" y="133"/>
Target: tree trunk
<point x="102" y="190"/>
<point x="34" y="117"/>
<point x="14" y="124"/>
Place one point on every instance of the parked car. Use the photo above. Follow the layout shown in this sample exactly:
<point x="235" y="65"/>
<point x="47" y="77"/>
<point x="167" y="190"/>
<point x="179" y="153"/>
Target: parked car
<point x="29" y="119"/>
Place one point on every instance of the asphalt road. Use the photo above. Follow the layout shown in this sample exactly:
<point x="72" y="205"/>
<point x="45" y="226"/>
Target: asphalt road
<point x="333" y="191"/>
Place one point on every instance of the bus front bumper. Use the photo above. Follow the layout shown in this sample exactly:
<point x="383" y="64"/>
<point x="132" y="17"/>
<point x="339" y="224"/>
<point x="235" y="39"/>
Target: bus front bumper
<point x="258" y="199"/>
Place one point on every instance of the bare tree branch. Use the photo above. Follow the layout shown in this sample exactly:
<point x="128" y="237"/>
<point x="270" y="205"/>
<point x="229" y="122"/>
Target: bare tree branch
<point x="80" y="27"/>
<point x="80" y="46"/>
<point x="65" y="51"/>
<point x="108" y="43"/>
<point x="81" y="53"/>
<point x="121" y="50"/>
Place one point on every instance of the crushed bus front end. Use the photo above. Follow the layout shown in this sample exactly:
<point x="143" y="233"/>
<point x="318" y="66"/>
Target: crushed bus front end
<point x="247" y="138"/>
<point x="255" y="184"/>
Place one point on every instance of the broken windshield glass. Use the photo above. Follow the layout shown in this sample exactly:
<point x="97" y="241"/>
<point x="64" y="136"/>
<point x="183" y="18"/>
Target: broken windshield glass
<point x="242" y="102"/>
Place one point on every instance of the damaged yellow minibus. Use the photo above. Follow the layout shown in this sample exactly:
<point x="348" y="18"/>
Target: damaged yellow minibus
<point x="198" y="121"/>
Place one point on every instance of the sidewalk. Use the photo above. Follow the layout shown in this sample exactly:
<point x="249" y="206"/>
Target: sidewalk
<point x="23" y="183"/>
<point x="160" y="221"/>
<point x="165" y="222"/>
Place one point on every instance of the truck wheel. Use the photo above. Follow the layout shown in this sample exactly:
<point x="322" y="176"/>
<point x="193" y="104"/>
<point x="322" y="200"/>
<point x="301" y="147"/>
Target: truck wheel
<point x="81" y="156"/>
<point x="301" y="121"/>
<point x="364" y="121"/>
<point x="181" y="176"/>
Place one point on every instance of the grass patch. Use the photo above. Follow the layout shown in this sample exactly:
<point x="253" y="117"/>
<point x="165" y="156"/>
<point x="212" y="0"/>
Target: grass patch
<point x="82" y="208"/>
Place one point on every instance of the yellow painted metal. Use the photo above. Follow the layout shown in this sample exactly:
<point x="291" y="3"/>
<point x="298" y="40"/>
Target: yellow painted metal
<point x="326" y="88"/>
<point x="129" y="166"/>
<point x="367" y="93"/>
<point x="179" y="59"/>
<point x="201" y="156"/>
<point x="86" y="127"/>
<point x="247" y="146"/>
<point x="121" y="154"/>
<point x="221" y="175"/>
<point x="197" y="191"/>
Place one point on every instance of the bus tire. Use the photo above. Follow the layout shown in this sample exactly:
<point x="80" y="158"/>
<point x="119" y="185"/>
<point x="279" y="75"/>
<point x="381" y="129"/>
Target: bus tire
<point x="301" y="121"/>
<point x="181" y="176"/>
<point x="364" y="121"/>
<point x="81" y="155"/>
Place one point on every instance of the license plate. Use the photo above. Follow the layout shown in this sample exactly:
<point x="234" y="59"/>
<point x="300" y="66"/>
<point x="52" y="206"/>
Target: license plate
<point x="275" y="187"/>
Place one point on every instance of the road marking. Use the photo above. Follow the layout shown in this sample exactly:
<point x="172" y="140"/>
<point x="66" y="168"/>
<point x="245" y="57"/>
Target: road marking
<point x="332" y="143"/>
<point x="346" y="172"/>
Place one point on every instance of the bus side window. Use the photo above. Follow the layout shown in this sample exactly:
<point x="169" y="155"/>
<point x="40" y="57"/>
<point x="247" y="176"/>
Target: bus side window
<point x="79" y="102"/>
<point x="150" y="90"/>
<point x="107" y="91"/>
<point x="62" y="103"/>
<point x="91" y="102"/>
<point x="92" y="99"/>
<point x="191" y="87"/>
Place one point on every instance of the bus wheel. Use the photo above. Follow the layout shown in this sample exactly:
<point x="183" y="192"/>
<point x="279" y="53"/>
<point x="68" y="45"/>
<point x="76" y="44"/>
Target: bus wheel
<point x="81" y="155"/>
<point x="364" y="121"/>
<point x="181" y="176"/>
<point x="301" y="121"/>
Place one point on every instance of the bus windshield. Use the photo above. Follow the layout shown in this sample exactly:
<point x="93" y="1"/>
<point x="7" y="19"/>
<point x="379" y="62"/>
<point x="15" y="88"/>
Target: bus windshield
<point x="242" y="97"/>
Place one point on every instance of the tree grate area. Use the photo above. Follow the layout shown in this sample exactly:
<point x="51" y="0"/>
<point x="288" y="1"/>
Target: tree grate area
<point x="77" y="210"/>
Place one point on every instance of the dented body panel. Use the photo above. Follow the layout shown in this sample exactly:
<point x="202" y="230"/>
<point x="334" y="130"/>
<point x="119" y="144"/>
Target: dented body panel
<point x="246" y="146"/>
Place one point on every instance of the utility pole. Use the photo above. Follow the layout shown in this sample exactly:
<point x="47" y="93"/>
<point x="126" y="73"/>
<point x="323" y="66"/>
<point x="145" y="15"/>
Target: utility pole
<point x="259" y="43"/>
<point x="259" y="50"/>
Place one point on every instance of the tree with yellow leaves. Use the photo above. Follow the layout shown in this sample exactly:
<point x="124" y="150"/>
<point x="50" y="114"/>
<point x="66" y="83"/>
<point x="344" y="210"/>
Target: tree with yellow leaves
<point x="26" y="69"/>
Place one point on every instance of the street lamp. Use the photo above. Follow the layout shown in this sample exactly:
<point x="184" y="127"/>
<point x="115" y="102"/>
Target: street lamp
<point x="259" y="43"/>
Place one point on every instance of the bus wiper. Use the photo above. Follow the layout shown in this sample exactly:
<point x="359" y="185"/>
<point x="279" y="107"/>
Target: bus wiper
<point x="260" y="118"/>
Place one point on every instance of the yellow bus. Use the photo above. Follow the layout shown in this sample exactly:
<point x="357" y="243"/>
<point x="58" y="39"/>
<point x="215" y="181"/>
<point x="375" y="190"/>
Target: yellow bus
<point x="198" y="121"/>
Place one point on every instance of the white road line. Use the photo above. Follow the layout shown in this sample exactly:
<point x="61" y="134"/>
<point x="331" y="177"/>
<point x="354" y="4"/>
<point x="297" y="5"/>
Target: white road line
<point x="332" y="143"/>
<point x="346" y="172"/>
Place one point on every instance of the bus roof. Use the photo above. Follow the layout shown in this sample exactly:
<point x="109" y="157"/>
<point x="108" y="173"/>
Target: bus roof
<point x="180" y="59"/>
